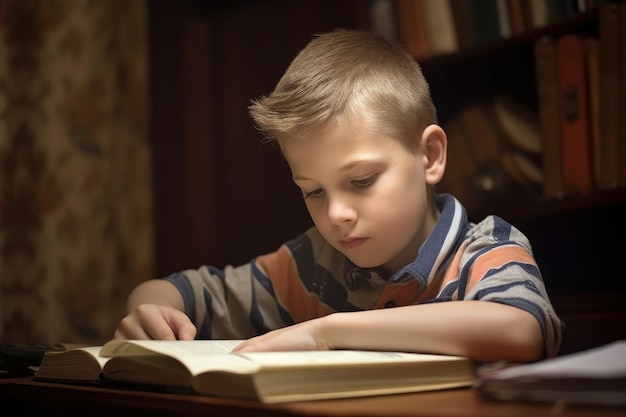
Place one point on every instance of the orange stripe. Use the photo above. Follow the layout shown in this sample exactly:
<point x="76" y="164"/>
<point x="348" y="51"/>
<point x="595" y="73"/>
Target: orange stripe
<point x="451" y="273"/>
<point x="290" y="292"/>
<point x="495" y="259"/>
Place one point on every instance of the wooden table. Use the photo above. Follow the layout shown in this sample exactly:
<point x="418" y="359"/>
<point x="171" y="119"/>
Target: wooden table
<point x="29" y="397"/>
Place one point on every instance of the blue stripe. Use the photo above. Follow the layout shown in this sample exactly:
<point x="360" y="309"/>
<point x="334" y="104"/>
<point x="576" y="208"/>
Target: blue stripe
<point x="222" y="276"/>
<point x="302" y="252"/>
<point x="464" y="274"/>
<point x="255" y="313"/>
<point x="206" y="331"/>
<point x="256" y="318"/>
<point x="530" y="269"/>
<point x="434" y="243"/>
<point x="501" y="229"/>
<point x="183" y="286"/>
<point x="448" y="291"/>
<point x="504" y="287"/>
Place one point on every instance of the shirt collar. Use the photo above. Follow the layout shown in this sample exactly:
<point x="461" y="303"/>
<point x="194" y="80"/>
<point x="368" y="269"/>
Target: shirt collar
<point x="441" y="245"/>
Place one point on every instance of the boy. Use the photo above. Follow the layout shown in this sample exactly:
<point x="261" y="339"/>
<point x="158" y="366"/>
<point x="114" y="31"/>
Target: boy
<point x="390" y="264"/>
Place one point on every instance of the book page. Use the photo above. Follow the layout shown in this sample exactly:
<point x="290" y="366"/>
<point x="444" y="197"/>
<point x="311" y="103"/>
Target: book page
<point x="601" y="362"/>
<point x="95" y="352"/>
<point x="91" y="350"/>
<point x="214" y="355"/>
<point x="196" y="355"/>
<point x="78" y="364"/>
<point x="119" y="347"/>
<point x="341" y="357"/>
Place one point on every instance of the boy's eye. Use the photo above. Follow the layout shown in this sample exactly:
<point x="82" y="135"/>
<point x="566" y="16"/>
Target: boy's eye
<point x="365" y="182"/>
<point x="313" y="194"/>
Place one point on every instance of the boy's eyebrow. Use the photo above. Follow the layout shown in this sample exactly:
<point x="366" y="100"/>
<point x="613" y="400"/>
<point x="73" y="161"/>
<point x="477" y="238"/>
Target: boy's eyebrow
<point x="361" y="160"/>
<point x="346" y="167"/>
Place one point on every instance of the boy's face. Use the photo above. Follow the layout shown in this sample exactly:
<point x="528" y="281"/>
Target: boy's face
<point x="366" y="193"/>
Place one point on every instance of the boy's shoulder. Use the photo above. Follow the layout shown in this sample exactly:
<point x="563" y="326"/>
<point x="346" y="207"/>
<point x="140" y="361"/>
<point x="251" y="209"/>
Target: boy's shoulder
<point x="494" y="229"/>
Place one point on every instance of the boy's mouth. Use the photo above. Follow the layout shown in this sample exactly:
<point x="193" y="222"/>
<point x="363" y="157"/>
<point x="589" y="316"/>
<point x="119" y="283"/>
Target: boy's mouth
<point x="352" y="242"/>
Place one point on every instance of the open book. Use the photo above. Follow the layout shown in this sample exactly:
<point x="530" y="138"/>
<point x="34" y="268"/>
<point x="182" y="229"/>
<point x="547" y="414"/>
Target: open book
<point x="593" y="376"/>
<point x="207" y="367"/>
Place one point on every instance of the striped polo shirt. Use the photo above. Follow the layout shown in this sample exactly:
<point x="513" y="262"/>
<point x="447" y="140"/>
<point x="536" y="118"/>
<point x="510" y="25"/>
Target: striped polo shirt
<point x="307" y="278"/>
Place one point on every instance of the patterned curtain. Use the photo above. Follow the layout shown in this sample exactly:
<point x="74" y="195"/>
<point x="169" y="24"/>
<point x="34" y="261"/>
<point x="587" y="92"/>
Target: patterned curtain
<point x="76" y="232"/>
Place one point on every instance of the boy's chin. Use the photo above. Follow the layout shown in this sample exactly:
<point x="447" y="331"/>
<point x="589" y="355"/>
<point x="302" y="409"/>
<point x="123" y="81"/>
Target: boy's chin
<point x="363" y="262"/>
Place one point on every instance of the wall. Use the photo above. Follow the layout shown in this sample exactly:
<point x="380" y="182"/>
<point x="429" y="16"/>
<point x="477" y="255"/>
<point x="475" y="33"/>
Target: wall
<point x="222" y="196"/>
<point x="75" y="167"/>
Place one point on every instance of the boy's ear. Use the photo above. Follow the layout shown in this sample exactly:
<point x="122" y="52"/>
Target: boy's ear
<point x="434" y="150"/>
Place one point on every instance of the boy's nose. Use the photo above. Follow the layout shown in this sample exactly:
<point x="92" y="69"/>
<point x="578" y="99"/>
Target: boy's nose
<point x="340" y="211"/>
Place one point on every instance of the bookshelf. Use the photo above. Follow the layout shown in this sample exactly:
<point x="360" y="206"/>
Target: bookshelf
<point x="573" y="236"/>
<point x="487" y="65"/>
<point x="503" y="66"/>
<point x="507" y="66"/>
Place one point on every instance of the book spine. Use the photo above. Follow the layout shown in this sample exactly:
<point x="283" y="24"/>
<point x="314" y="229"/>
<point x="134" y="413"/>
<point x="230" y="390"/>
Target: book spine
<point x="413" y="28"/>
<point x="609" y="96"/>
<point x="564" y="8"/>
<point x="516" y="15"/>
<point x="440" y="26"/>
<point x="622" y="95"/>
<point x="462" y="23"/>
<point x="574" y="116"/>
<point x="540" y="12"/>
<point x="547" y="96"/>
<point x="383" y="19"/>
<point x="504" y="20"/>
<point x="527" y="14"/>
<point x="483" y="137"/>
<point x="485" y="20"/>
<point x="593" y="77"/>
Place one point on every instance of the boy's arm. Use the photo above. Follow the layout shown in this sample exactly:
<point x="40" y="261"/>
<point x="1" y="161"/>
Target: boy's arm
<point x="482" y="330"/>
<point x="155" y="311"/>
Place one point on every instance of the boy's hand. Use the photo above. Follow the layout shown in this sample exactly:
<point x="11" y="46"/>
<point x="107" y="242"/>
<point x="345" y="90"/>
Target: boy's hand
<point x="151" y="321"/>
<point x="302" y="336"/>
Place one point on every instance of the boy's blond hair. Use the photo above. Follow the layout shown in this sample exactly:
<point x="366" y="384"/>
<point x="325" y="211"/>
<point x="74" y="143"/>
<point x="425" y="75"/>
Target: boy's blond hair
<point x="341" y="76"/>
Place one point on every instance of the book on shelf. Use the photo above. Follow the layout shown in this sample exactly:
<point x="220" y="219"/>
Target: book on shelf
<point x="383" y="19"/>
<point x="207" y="367"/>
<point x="518" y="127"/>
<point x="541" y="12"/>
<point x="484" y="141"/>
<point x="593" y="376"/>
<point x="412" y="28"/>
<point x="462" y="23"/>
<point x="440" y="26"/>
<point x="574" y="115"/>
<point x="610" y="111"/>
<point x="548" y="104"/>
<point x="520" y="124"/>
<point x="504" y="19"/>
<point x="527" y="14"/>
<point x="592" y="46"/>
<point x="485" y="20"/>
<point x="565" y="8"/>
<point x="523" y="169"/>
<point x="516" y="16"/>
<point x="622" y="95"/>
<point x="494" y="151"/>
